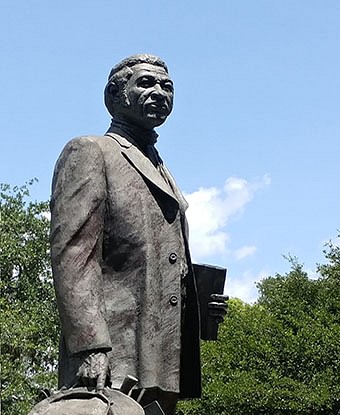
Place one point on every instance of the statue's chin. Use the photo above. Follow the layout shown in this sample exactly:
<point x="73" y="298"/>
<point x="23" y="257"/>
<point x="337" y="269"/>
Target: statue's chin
<point x="151" y="122"/>
<point x="147" y="122"/>
<point x="156" y="119"/>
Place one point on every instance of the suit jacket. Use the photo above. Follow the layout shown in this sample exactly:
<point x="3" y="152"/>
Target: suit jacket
<point x="121" y="265"/>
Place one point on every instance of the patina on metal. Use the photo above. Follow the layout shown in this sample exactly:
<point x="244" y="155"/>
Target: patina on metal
<point x="123" y="275"/>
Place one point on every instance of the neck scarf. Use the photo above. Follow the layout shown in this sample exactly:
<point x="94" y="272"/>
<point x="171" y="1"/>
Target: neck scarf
<point x="141" y="137"/>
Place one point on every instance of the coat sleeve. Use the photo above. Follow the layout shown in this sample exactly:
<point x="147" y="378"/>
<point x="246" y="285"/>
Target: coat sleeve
<point x="77" y="222"/>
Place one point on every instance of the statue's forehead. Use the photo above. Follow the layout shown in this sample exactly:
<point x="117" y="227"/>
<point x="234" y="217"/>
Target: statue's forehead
<point x="147" y="68"/>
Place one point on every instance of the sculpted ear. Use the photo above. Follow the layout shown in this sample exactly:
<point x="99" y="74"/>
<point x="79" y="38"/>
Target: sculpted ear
<point x="111" y="90"/>
<point x="111" y="96"/>
<point x="115" y="96"/>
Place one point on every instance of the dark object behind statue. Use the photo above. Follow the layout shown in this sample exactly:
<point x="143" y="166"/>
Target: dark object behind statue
<point x="210" y="280"/>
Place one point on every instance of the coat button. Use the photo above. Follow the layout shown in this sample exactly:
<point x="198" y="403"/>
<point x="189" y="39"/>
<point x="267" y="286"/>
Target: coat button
<point x="173" y="300"/>
<point x="172" y="257"/>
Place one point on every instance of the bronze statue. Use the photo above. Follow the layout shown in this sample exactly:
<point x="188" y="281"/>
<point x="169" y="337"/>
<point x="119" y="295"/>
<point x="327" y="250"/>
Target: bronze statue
<point x="124" y="280"/>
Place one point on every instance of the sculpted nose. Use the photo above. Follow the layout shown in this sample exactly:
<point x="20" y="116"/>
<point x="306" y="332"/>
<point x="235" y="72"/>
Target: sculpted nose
<point x="157" y="92"/>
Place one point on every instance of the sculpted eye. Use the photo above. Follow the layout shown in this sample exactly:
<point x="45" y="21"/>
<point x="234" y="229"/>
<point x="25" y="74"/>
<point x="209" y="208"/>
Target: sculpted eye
<point x="168" y="87"/>
<point x="145" y="83"/>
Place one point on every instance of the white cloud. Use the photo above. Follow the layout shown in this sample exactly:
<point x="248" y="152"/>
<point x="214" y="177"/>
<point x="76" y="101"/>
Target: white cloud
<point x="210" y="210"/>
<point x="244" y="287"/>
<point x="312" y="274"/>
<point x="244" y="252"/>
<point x="46" y="214"/>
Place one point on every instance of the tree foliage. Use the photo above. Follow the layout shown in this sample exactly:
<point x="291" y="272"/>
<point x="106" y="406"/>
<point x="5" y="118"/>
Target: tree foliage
<point x="280" y="355"/>
<point x="28" y="322"/>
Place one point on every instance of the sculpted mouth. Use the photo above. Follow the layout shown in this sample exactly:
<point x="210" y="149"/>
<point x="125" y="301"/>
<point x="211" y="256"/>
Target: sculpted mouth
<point x="159" y="108"/>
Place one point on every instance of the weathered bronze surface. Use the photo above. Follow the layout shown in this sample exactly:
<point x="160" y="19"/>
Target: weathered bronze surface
<point x="82" y="402"/>
<point x="123" y="276"/>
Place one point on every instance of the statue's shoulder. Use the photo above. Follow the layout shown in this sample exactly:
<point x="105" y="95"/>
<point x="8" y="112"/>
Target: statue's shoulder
<point x="87" y="144"/>
<point x="107" y="140"/>
<point x="83" y="151"/>
<point x="79" y="150"/>
<point x="85" y="140"/>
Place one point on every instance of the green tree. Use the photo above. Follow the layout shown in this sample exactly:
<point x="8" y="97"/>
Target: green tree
<point x="280" y="355"/>
<point x="28" y="320"/>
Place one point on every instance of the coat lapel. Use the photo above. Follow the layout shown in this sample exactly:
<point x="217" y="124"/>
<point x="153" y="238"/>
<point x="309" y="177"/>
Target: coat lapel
<point x="183" y="203"/>
<point x="148" y="170"/>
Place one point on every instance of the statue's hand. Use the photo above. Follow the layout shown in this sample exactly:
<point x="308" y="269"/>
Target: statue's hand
<point x="218" y="307"/>
<point x="93" y="370"/>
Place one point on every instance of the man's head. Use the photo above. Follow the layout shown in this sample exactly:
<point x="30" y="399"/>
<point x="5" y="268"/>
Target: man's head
<point x="140" y="91"/>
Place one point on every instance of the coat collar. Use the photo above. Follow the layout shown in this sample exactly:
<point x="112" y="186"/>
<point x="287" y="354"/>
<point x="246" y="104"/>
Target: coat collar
<point x="148" y="170"/>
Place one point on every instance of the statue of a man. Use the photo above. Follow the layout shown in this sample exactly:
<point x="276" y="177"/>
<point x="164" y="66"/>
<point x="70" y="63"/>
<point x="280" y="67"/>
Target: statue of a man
<point x="122" y="271"/>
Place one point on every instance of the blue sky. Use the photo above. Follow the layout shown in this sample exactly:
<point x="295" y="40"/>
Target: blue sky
<point x="253" y="139"/>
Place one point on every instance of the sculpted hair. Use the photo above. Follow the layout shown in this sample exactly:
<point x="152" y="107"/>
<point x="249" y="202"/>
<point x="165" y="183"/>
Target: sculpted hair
<point x="121" y="73"/>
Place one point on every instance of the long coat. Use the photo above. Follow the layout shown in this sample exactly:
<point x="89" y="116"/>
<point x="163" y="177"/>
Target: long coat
<point x="121" y="265"/>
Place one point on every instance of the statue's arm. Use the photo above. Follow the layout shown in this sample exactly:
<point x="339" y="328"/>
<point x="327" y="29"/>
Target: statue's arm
<point x="77" y="221"/>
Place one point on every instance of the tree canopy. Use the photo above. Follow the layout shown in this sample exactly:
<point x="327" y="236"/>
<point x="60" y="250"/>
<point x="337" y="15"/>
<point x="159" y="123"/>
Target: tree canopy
<point x="28" y="319"/>
<point x="278" y="356"/>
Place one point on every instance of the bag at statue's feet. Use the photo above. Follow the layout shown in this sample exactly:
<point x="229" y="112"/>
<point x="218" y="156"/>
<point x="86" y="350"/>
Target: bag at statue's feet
<point x="81" y="401"/>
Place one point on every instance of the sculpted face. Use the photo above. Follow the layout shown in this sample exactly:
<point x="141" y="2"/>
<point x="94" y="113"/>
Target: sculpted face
<point x="149" y="96"/>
